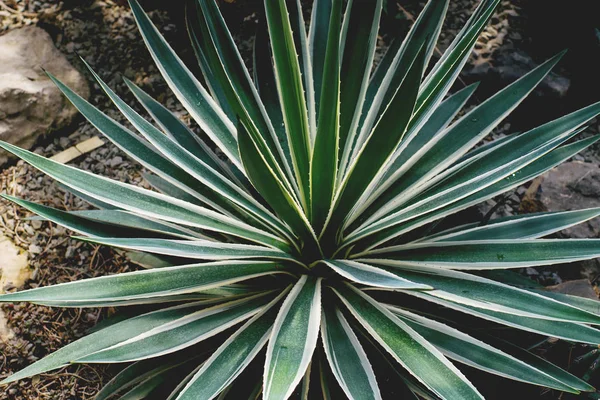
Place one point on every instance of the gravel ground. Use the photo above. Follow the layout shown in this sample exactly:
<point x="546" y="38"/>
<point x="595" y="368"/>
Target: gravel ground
<point x="104" y="33"/>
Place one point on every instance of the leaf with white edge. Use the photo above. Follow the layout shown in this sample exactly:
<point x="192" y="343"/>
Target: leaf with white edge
<point x="479" y="292"/>
<point x="471" y="179"/>
<point x="233" y="356"/>
<point x="143" y="152"/>
<point x="458" y="139"/>
<point x="293" y="339"/>
<point x="142" y="201"/>
<point x="105" y="338"/>
<point x="536" y="168"/>
<point x="324" y="160"/>
<point x="194" y="249"/>
<point x="273" y="190"/>
<point x="242" y="96"/>
<point x="563" y="330"/>
<point x="489" y="254"/>
<point x="346" y="357"/>
<point x="372" y="276"/>
<point x="126" y="219"/>
<point x="180" y="333"/>
<point x="291" y="91"/>
<point x="178" y="130"/>
<point x="202" y="172"/>
<point x="392" y="70"/>
<point x="319" y="28"/>
<point x="145" y="284"/>
<point x="407" y="347"/>
<point x="473" y="352"/>
<point x="141" y="371"/>
<point x="186" y="87"/>
<point x="528" y="226"/>
<point x="410" y="151"/>
<point x="378" y="147"/>
<point x="357" y="45"/>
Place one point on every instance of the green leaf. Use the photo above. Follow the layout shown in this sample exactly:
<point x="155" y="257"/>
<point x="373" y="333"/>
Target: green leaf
<point x="232" y="357"/>
<point x="472" y="178"/>
<point x="264" y="79"/>
<point x="142" y="201"/>
<point x="194" y="166"/>
<point x="456" y="141"/>
<point x="393" y="68"/>
<point x="195" y="249"/>
<point x="532" y="170"/>
<point x="484" y="293"/>
<point x="145" y="284"/>
<point x="139" y="372"/>
<point x="319" y="29"/>
<point x="372" y="276"/>
<point x="324" y="161"/>
<point x="293" y="339"/>
<point x="358" y="43"/>
<point x="178" y="131"/>
<point x="143" y="152"/>
<point x="74" y="222"/>
<point x="235" y="81"/>
<point x="298" y="26"/>
<point x="186" y="87"/>
<point x="379" y="146"/>
<point x="409" y="349"/>
<point x="490" y="254"/>
<point x="273" y="190"/>
<point x="291" y="91"/>
<point x="475" y="353"/>
<point x="180" y="333"/>
<point x="528" y="226"/>
<point x="105" y="338"/>
<point x="559" y="329"/>
<point x="346" y="357"/>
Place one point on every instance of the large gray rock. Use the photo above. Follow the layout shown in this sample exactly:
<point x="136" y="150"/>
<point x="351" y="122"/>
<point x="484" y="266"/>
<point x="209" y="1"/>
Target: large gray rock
<point x="30" y="104"/>
<point x="573" y="186"/>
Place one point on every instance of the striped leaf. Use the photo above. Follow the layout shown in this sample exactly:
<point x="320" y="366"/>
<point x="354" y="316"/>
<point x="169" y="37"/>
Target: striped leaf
<point x="180" y="333"/>
<point x="232" y="357"/>
<point x="186" y="87"/>
<point x="346" y="357"/>
<point x="291" y="90"/>
<point x="409" y="349"/>
<point x="141" y="201"/>
<point x="145" y="284"/>
<point x="293" y="339"/>
<point x="468" y="350"/>
<point x="371" y="276"/>
<point x="195" y="249"/>
<point x="490" y="254"/>
<point x="324" y="161"/>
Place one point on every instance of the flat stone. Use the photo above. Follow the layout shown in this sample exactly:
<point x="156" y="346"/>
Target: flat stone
<point x="30" y="103"/>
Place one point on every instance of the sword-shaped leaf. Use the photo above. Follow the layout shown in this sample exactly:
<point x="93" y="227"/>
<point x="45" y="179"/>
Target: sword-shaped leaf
<point x="293" y="339"/>
<point x="291" y="91"/>
<point x="324" y="161"/>
<point x="146" y="284"/>
<point x="142" y="201"/>
<point x="407" y="347"/>
<point x="232" y="357"/>
<point x="346" y="357"/>
<point x="186" y="87"/>
<point x="468" y="350"/>
<point x="180" y="333"/>
<point x="372" y="276"/>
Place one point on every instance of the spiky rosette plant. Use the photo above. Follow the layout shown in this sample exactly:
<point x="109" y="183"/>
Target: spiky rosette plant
<point x="315" y="249"/>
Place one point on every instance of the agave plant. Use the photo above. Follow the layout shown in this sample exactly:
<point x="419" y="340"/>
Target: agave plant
<point x="315" y="254"/>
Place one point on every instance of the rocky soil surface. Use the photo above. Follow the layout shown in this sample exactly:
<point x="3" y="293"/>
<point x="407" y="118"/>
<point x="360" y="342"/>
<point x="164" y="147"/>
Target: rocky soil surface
<point x="104" y="34"/>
